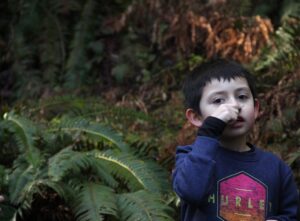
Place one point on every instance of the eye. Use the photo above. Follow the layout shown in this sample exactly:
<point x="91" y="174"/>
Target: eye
<point x="218" y="100"/>
<point x="243" y="97"/>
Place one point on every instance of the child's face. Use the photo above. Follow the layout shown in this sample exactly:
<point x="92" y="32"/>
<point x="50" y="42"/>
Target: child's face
<point x="232" y="95"/>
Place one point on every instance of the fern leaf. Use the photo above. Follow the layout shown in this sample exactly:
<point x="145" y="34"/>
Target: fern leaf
<point x="143" y="206"/>
<point x="94" y="201"/>
<point x="93" y="131"/>
<point x="65" y="161"/>
<point x="102" y="172"/>
<point x="19" y="178"/>
<point x="68" y="161"/>
<point x="285" y="52"/>
<point x="24" y="183"/>
<point x="24" y="131"/>
<point x="137" y="174"/>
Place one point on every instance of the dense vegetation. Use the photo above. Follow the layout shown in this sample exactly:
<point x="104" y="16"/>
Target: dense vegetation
<point x="91" y="105"/>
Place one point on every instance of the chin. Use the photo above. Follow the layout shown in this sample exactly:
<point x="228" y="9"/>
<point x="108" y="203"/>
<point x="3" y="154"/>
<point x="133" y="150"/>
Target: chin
<point x="235" y="133"/>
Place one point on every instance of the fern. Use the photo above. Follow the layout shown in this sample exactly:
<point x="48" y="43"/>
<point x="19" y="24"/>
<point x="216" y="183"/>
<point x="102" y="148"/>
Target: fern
<point x="93" y="131"/>
<point x="66" y="161"/>
<point x="286" y="51"/>
<point x="138" y="174"/>
<point x="24" y="131"/>
<point x="143" y="206"/>
<point x="89" y="181"/>
<point x="25" y="184"/>
<point x="93" y="201"/>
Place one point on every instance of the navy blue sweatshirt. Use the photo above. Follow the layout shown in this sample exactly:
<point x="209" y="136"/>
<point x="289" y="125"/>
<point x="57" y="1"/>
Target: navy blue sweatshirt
<point x="216" y="184"/>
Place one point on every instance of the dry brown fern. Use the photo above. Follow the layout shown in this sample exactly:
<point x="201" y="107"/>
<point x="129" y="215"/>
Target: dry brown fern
<point x="189" y="26"/>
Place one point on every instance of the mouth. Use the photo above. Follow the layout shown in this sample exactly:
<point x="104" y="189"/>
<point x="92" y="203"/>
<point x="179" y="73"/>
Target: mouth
<point x="237" y="123"/>
<point x="240" y="119"/>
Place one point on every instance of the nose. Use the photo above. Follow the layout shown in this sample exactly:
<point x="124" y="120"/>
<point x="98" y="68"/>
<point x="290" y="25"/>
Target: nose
<point x="233" y="101"/>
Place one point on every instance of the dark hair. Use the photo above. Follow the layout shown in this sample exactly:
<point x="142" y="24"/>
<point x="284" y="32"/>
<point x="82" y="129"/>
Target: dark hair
<point x="204" y="73"/>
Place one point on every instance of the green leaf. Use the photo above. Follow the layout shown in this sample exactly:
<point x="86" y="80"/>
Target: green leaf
<point x="65" y="161"/>
<point x="94" y="201"/>
<point x="94" y="131"/>
<point x="136" y="173"/>
<point x="143" y="206"/>
<point x="24" y="131"/>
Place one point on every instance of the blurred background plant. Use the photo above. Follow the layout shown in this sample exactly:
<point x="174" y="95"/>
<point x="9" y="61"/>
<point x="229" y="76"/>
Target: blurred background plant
<point x="119" y="64"/>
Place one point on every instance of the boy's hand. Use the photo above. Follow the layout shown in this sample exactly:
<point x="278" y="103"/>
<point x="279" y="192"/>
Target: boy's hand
<point x="226" y="112"/>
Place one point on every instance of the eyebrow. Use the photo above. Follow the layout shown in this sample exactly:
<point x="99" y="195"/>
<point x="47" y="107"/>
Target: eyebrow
<point x="247" y="89"/>
<point x="243" y="89"/>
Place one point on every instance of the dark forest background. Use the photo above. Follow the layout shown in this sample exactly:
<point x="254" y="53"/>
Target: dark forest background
<point x="91" y="106"/>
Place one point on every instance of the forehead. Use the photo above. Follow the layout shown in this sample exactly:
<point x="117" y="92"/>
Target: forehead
<point x="225" y="85"/>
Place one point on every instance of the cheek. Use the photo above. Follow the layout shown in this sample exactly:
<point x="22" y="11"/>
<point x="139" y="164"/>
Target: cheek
<point x="206" y="111"/>
<point x="250" y="114"/>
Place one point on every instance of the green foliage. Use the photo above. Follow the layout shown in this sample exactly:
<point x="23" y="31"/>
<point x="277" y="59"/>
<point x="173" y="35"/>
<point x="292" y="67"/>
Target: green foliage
<point x="134" y="206"/>
<point x="24" y="131"/>
<point x="77" y="65"/>
<point x="91" y="181"/>
<point x="107" y="49"/>
<point x="94" y="131"/>
<point x="284" y="52"/>
<point x="94" y="201"/>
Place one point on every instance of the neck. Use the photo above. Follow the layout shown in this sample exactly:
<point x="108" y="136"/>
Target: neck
<point x="236" y="144"/>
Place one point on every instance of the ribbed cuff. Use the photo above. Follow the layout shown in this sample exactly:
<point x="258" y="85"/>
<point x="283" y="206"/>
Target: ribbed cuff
<point x="212" y="127"/>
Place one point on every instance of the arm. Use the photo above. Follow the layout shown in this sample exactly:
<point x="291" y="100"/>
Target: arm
<point x="194" y="173"/>
<point x="289" y="198"/>
<point x="195" y="166"/>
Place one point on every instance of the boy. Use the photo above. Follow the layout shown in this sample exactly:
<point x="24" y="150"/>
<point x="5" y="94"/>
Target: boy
<point x="221" y="176"/>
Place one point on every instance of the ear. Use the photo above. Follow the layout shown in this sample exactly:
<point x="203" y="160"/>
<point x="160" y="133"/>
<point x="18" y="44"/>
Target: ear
<point x="193" y="117"/>
<point x="256" y="108"/>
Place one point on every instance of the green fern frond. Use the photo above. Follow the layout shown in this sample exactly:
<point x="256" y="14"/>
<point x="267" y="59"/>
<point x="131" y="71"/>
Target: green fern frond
<point x="143" y="206"/>
<point x="93" y="131"/>
<point x="66" y="161"/>
<point x="135" y="173"/>
<point x="138" y="174"/>
<point x="24" y="183"/>
<point x="94" y="201"/>
<point x="106" y="177"/>
<point x="29" y="188"/>
<point x="69" y="162"/>
<point x="285" y="52"/>
<point x="24" y="131"/>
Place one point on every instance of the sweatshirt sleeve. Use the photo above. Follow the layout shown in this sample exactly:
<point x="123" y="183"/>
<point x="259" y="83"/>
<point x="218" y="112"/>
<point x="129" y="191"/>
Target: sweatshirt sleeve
<point x="195" y="170"/>
<point x="194" y="173"/>
<point x="289" y="198"/>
